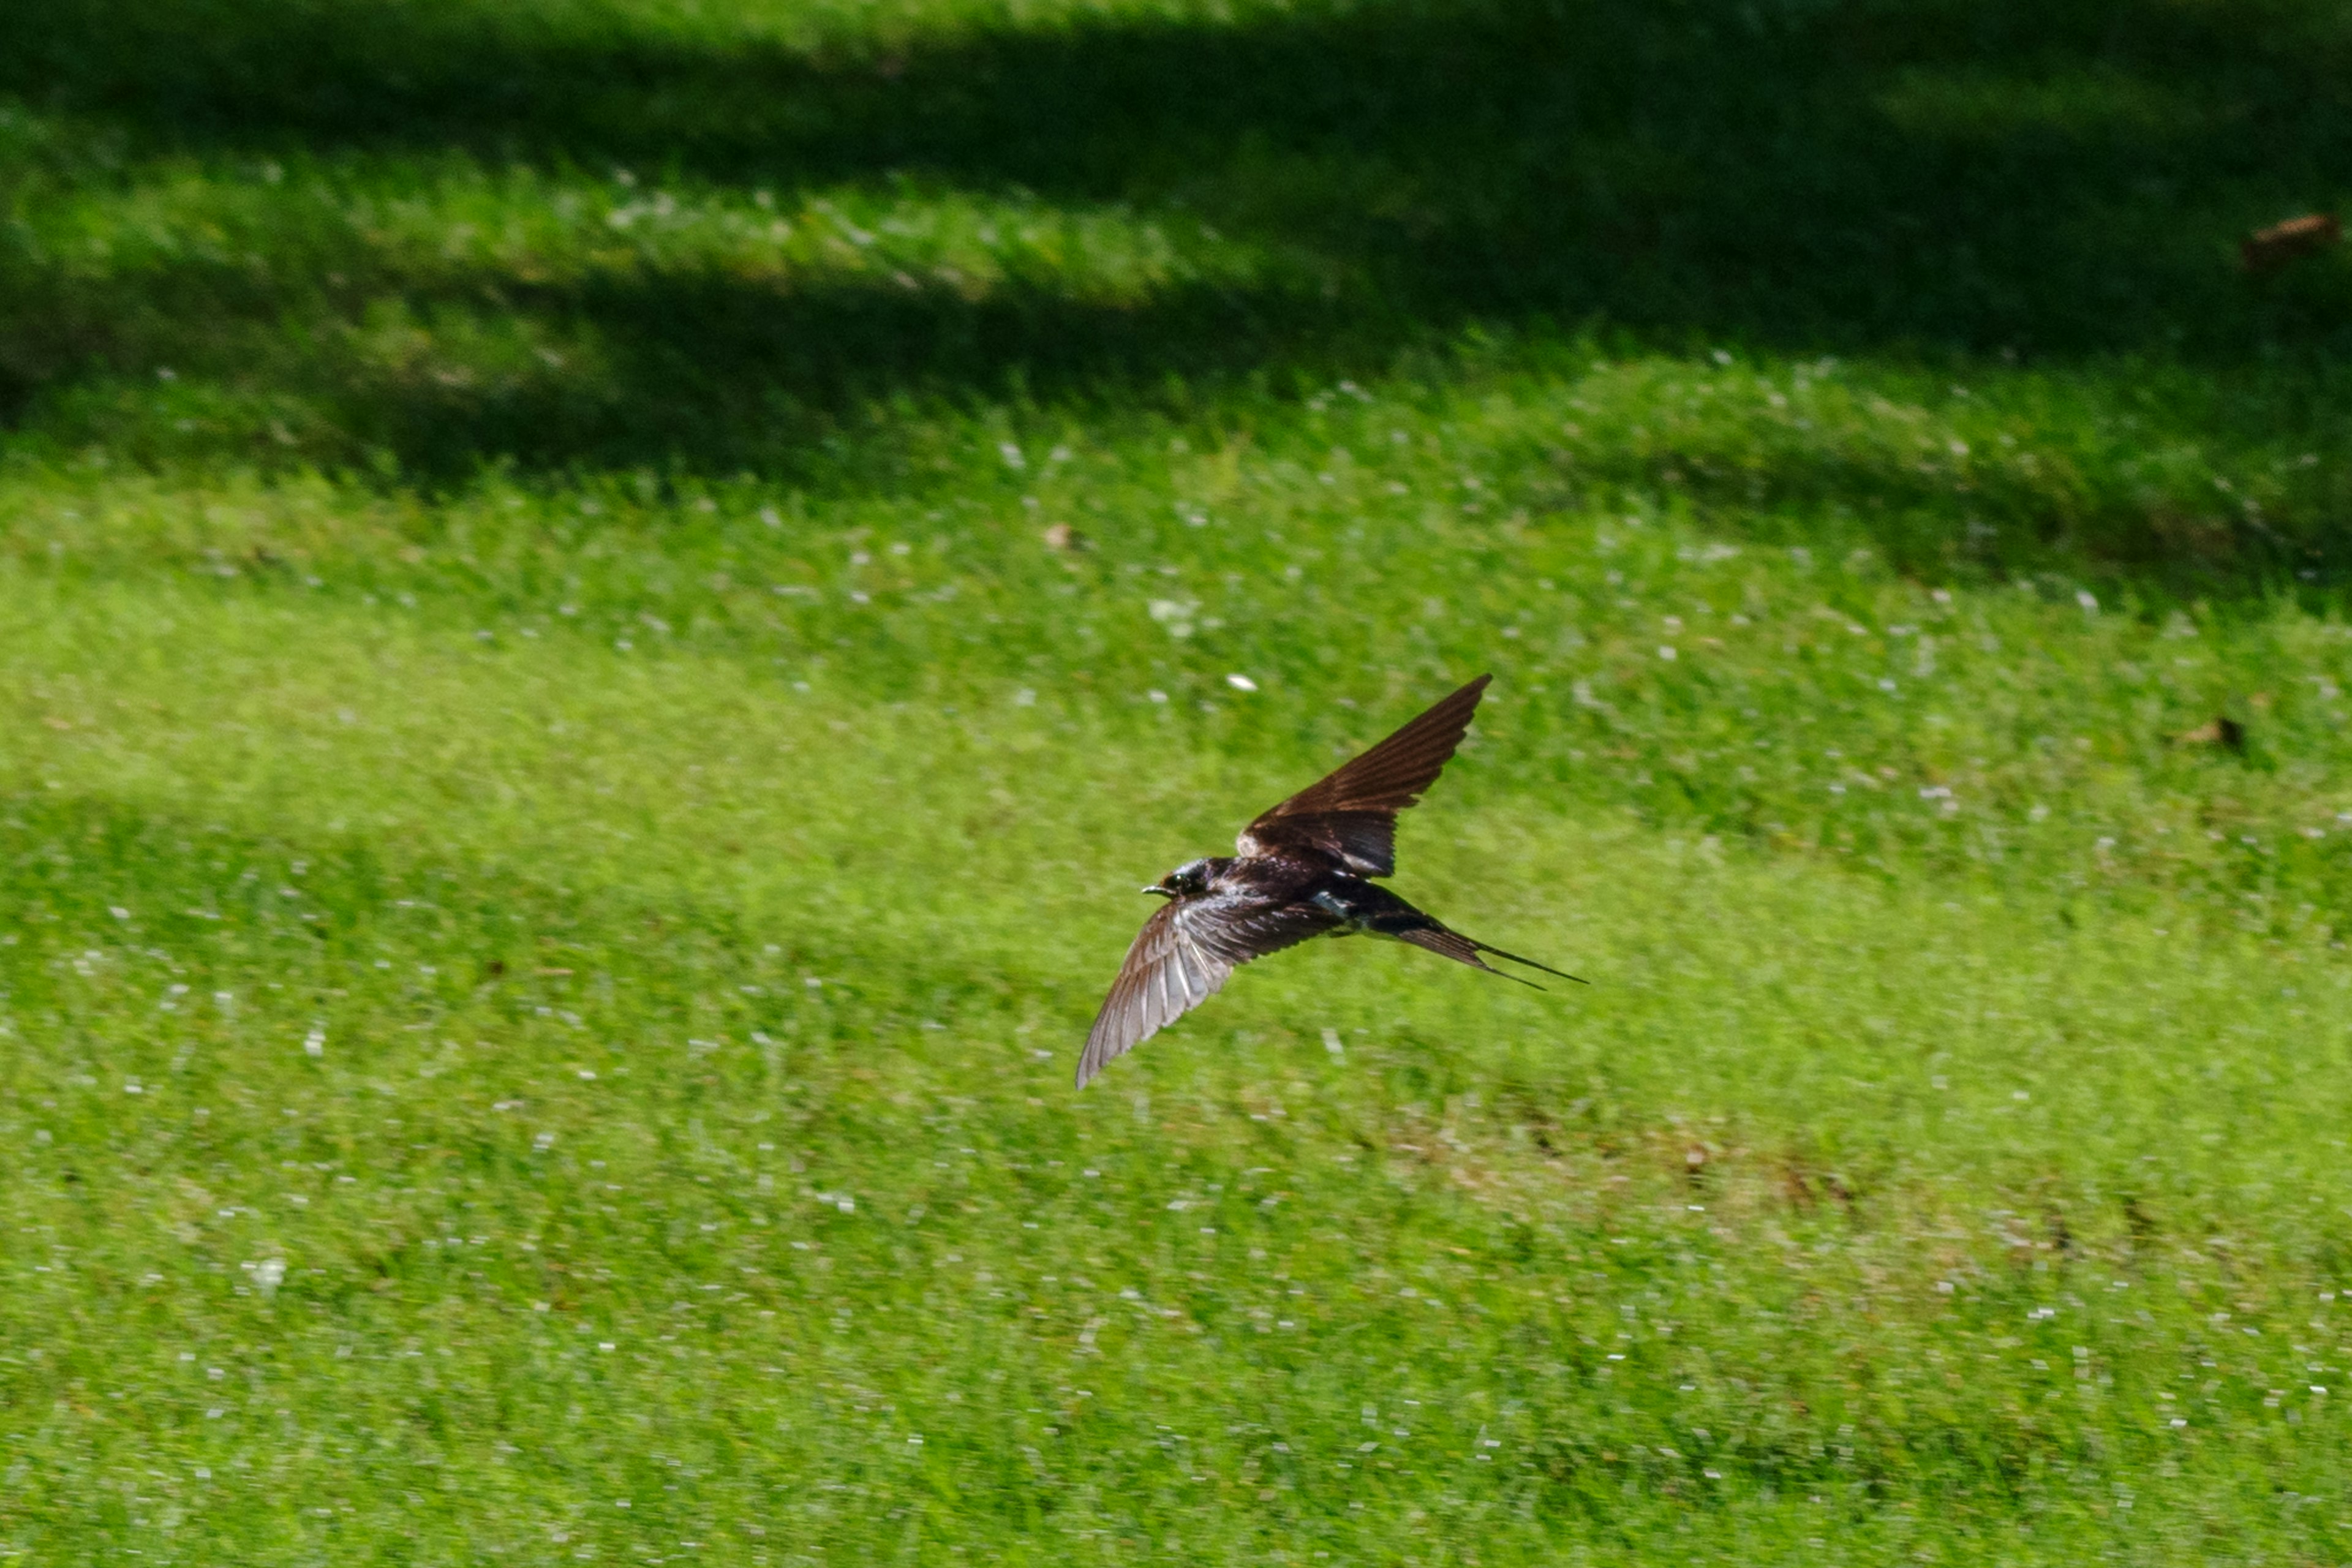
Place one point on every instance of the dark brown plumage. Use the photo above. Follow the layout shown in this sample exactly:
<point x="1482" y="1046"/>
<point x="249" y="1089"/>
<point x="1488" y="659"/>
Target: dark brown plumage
<point x="1352" y="814"/>
<point x="1300" y="871"/>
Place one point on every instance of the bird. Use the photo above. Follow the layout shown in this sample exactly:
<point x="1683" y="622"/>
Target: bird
<point x="1303" y="869"/>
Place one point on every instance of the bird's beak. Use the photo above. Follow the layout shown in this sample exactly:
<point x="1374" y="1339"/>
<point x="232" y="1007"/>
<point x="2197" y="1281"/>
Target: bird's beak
<point x="1163" y="892"/>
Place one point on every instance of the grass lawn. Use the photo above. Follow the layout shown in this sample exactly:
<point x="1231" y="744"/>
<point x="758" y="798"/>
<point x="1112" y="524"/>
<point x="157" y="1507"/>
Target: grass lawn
<point x="563" y="820"/>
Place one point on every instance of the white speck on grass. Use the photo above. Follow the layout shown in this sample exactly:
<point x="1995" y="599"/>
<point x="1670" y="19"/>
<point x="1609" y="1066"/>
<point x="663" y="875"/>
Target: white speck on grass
<point x="1157" y="696"/>
<point x="314" y="1044"/>
<point x="1012" y="456"/>
<point x="119" y="913"/>
<point x="1176" y="614"/>
<point x="2089" y="601"/>
<point x="1667" y="653"/>
<point x="1240" y="683"/>
<point x="1332" y="1044"/>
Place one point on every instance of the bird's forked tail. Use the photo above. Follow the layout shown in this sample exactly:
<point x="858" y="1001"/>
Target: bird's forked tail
<point x="1449" y="944"/>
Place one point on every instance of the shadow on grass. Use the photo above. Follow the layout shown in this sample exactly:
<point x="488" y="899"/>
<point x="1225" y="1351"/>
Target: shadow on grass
<point x="1939" y="182"/>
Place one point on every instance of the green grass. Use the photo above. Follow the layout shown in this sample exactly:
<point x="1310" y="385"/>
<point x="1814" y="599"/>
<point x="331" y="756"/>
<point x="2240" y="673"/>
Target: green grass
<point x="562" y="822"/>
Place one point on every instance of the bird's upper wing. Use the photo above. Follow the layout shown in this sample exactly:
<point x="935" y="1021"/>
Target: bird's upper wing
<point x="1182" y="958"/>
<point x="1352" y="814"/>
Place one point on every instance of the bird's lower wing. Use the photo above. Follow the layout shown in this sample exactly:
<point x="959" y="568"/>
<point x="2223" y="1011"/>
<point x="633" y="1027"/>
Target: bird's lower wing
<point x="1184" y="956"/>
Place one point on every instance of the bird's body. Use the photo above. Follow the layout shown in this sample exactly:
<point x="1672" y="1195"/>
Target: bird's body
<point x="1303" y="870"/>
<point x="1306" y="892"/>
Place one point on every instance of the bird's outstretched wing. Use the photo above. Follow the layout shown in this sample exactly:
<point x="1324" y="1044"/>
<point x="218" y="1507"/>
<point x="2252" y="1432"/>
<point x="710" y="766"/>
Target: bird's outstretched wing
<point x="1352" y="814"/>
<point x="1182" y="957"/>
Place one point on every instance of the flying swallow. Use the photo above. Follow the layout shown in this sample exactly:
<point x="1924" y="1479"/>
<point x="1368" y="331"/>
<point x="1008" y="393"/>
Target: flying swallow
<point x="1300" y="871"/>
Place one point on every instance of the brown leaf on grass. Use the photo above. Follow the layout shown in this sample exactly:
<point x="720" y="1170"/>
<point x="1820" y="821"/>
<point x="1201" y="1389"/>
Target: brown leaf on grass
<point x="2268" y="249"/>
<point x="2222" y="731"/>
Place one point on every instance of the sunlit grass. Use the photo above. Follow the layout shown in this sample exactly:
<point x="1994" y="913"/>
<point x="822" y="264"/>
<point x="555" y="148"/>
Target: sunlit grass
<point x="707" y="1005"/>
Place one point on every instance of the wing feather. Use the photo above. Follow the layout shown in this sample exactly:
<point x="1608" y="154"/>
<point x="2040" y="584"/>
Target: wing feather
<point x="1184" y="955"/>
<point x="1350" y="814"/>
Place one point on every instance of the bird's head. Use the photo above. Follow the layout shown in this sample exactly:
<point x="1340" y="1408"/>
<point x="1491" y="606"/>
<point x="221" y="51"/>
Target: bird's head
<point x="1187" y="880"/>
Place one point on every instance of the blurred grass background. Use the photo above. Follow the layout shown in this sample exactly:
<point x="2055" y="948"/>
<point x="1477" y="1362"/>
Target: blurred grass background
<point x="564" y="818"/>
